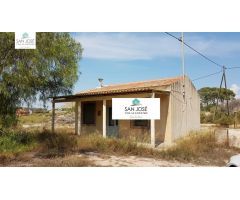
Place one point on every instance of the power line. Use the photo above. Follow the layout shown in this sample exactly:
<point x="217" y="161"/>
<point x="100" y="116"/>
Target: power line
<point x="233" y="67"/>
<point x="210" y="60"/>
<point x="202" y="77"/>
<point x="179" y="39"/>
<point x="215" y="73"/>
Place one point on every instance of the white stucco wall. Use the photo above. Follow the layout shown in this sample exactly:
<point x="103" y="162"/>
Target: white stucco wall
<point x="185" y="115"/>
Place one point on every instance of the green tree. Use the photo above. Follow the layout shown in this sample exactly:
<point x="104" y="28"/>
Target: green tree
<point x="27" y="75"/>
<point x="209" y="95"/>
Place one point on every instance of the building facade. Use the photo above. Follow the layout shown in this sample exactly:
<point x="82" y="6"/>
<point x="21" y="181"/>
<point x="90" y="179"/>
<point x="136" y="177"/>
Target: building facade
<point x="179" y="110"/>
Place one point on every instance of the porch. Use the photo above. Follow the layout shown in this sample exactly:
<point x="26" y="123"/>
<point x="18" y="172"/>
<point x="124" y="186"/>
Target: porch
<point x="93" y="115"/>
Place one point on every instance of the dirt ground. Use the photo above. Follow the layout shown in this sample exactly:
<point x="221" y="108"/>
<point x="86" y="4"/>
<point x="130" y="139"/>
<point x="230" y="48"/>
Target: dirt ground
<point x="233" y="136"/>
<point x="94" y="159"/>
<point x="102" y="160"/>
<point x="132" y="161"/>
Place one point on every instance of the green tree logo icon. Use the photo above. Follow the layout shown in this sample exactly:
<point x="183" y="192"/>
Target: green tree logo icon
<point x="25" y="35"/>
<point x="135" y="102"/>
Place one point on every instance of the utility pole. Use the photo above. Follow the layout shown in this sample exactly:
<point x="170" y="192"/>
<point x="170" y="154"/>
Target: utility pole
<point x="235" y="119"/>
<point x="224" y="74"/>
<point x="183" y="83"/>
<point x="220" y="88"/>
<point x="183" y="66"/>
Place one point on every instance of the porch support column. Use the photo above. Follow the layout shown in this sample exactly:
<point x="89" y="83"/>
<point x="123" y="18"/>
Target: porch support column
<point x="153" y="128"/>
<point x="78" y="117"/>
<point x="104" y="118"/>
<point x="53" y="116"/>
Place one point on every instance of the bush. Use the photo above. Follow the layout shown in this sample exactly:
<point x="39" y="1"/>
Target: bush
<point x="206" y="118"/>
<point x="56" y="144"/>
<point x="22" y="138"/>
<point x="224" y="120"/>
<point x="15" y="142"/>
<point x="7" y="120"/>
<point x="220" y="118"/>
<point x="193" y="146"/>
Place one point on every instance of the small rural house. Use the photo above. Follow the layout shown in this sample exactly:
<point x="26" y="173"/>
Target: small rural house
<point x="179" y="109"/>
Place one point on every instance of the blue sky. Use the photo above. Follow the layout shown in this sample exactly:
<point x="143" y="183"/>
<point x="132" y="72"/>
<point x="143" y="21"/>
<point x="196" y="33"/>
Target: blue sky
<point x="127" y="57"/>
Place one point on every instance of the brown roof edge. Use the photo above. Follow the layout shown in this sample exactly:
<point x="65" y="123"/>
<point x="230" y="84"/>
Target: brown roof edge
<point x="103" y="94"/>
<point x="132" y="87"/>
<point x="138" y="84"/>
<point x="72" y="97"/>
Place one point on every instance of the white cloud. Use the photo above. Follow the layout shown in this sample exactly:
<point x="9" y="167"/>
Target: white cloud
<point x="126" y="46"/>
<point x="236" y="89"/>
<point x="131" y="46"/>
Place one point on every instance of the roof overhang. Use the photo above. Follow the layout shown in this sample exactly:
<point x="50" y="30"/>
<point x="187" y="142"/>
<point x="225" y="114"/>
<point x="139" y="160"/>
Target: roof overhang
<point x="72" y="98"/>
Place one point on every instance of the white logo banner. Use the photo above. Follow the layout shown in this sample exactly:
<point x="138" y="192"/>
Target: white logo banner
<point x="135" y="108"/>
<point x="25" y="40"/>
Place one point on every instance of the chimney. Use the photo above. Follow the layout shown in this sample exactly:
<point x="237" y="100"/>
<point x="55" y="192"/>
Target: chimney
<point x="101" y="82"/>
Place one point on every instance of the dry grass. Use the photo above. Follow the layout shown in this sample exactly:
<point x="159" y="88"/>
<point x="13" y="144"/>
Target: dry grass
<point x="143" y="137"/>
<point x="113" y="146"/>
<point x="200" y="148"/>
<point x="56" y="144"/>
<point x="35" y="118"/>
<point x="61" y="149"/>
<point x="68" y="161"/>
<point x="26" y="160"/>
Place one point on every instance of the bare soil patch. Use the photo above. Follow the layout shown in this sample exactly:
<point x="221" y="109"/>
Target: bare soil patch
<point x="92" y="159"/>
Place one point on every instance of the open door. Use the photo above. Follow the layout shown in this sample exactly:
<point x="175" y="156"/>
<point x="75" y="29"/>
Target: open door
<point x="112" y="125"/>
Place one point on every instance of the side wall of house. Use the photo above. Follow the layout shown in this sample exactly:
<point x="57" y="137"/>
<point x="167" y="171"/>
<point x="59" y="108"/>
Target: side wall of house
<point x="185" y="115"/>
